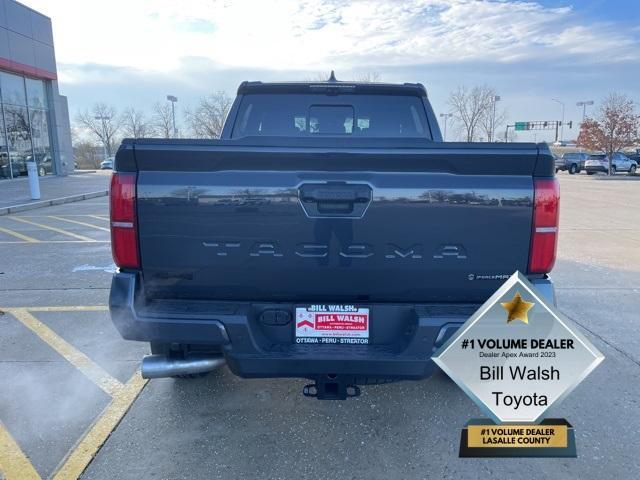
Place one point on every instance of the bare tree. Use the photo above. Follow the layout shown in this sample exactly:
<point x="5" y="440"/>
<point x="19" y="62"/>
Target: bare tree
<point x="470" y="106"/>
<point x="135" y="123"/>
<point x="163" y="119"/>
<point x="369" y="77"/>
<point x="103" y="122"/>
<point x="18" y="129"/>
<point x="317" y="77"/>
<point x="489" y="124"/>
<point x="207" y="119"/>
<point x="615" y="127"/>
<point x="85" y="154"/>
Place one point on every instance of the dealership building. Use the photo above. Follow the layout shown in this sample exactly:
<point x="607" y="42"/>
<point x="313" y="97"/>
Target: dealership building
<point x="34" y="117"/>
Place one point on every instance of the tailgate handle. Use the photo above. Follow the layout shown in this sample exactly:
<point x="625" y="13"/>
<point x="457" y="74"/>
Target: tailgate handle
<point x="337" y="195"/>
<point x="338" y="199"/>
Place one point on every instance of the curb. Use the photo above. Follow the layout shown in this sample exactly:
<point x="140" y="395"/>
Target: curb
<point x="55" y="201"/>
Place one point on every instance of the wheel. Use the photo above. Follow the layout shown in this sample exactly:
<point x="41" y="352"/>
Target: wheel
<point x="613" y="169"/>
<point x="573" y="169"/>
<point x="165" y="349"/>
<point x="632" y="170"/>
<point x="590" y="173"/>
<point x="41" y="172"/>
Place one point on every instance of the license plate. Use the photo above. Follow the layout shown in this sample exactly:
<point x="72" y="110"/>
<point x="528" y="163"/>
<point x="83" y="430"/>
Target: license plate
<point x="332" y="324"/>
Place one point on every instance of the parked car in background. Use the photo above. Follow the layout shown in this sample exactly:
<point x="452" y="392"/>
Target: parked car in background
<point x="571" y="162"/>
<point x="18" y="165"/>
<point x="107" y="164"/>
<point x="44" y="162"/>
<point x="619" y="163"/>
<point x="5" y="170"/>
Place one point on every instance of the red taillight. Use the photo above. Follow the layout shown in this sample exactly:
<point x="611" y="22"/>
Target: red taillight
<point x="124" y="232"/>
<point x="544" y="235"/>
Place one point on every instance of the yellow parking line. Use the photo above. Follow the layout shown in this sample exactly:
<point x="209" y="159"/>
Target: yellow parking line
<point x="59" y="230"/>
<point x="88" y="447"/>
<point x="79" y="223"/>
<point x="14" y="464"/>
<point x="74" y="308"/>
<point x="19" y="235"/>
<point x="78" y="359"/>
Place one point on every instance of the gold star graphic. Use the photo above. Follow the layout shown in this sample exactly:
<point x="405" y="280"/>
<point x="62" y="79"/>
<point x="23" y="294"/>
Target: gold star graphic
<point x="517" y="309"/>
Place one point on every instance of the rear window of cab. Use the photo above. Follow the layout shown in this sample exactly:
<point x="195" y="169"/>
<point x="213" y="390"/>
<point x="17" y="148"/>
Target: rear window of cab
<point x="308" y="115"/>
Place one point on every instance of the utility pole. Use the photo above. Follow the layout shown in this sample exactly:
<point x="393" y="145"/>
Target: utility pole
<point x="562" y="122"/>
<point x="173" y="99"/>
<point x="583" y="104"/>
<point x="492" y="134"/>
<point x="446" y="117"/>
<point x="103" y="119"/>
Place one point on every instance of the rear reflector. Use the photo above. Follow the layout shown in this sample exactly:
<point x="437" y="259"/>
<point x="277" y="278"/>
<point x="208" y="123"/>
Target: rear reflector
<point x="124" y="234"/>
<point x="544" y="235"/>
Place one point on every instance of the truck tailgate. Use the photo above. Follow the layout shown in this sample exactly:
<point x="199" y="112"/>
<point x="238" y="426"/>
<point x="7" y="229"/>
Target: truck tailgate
<point x="305" y="224"/>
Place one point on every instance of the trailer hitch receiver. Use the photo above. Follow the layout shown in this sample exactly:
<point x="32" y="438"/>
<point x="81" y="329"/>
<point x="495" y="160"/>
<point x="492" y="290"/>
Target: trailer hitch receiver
<point x="331" y="388"/>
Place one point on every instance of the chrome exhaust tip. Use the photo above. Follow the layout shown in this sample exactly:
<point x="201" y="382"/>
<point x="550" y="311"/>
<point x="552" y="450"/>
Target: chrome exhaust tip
<point x="162" y="366"/>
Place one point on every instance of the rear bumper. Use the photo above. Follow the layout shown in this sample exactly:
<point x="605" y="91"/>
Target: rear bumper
<point x="403" y="337"/>
<point x="593" y="169"/>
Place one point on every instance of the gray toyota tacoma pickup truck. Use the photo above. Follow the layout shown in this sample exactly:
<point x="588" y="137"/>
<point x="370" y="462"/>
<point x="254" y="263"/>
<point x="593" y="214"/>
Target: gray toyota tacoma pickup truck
<point x="329" y="234"/>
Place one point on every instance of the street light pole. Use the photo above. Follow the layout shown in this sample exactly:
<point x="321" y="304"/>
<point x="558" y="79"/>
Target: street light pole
<point x="583" y="104"/>
<point x="446" y="117"/>
<point x="562" y="122"/>
<point x="173" y="99"/>
<point x="496" y="98"/>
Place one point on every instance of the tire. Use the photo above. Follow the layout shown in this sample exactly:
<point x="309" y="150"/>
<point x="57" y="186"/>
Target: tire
<point x="590" y="173"/>
<point x="613" y="169"/>
<point x="632" y="170"/>
<point x="41" y="172"/>
<point x="557" y="170"/>
<point x="573" y="169"/>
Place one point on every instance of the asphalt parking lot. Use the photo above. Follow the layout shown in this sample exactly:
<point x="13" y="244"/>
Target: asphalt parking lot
<point x="72" y="401"/>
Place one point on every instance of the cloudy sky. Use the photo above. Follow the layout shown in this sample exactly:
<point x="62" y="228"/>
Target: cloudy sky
<point x="134" y="52"/>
